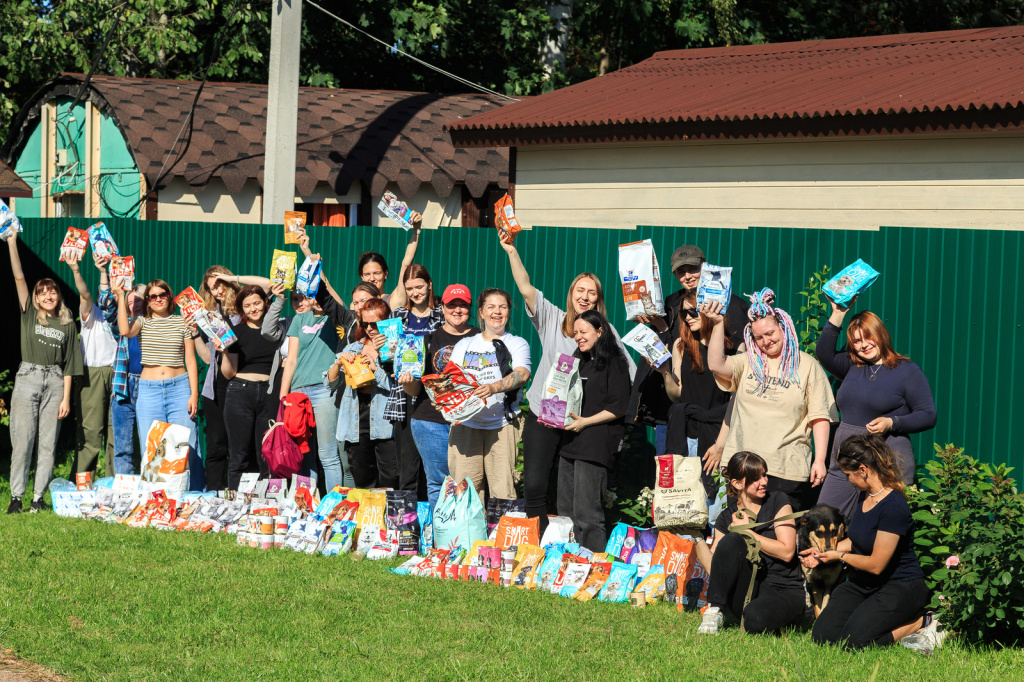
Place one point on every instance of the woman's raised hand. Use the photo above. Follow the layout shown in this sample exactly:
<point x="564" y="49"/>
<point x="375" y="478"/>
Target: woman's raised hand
<point x="713" y="311"/>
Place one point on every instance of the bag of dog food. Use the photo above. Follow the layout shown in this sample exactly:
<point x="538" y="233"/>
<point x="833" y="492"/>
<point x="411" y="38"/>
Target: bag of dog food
<point x="402" y="519"/>
<point x="9" y="223"/>
<point x="573" y="577"/>
<point x="616" y="538"/>
<point x="562" y="393"/>
<point x="596" y="579"/>
<point x="372" y="509"/>
<point x="165" y="461"/>
<point x="189" y="303"/>
<point x="715" y="285"/>
<point x="679" y="499"/>
<point x="396" y="209"/>
<point x="528" y="560"/>
<point x="646" y="342"/>
<point x="559" y="530"/>
<point x="641" y="280"/>
<point x="505" y="219"/>
<point x="513" y="532"/>
<point x="850" y="282"/>
<point x="619" y="583"/>
<point x="122" y="272"/>
<point x="307" y="279"/>
<point x="459" y="516"/>
<point x="357" y="372"/>
<point x="695" y="590"/>
<point x="423" y="515"/>
<point x="392" y="329"/>
<point x="629" y="545"/>
<point x="674" y="554"/>
<point x="497" y="507"/>
<point x="548" y="570"/>
<point x="409" y="355"/>
<point x="294" y="221"/>
<point x="103" y="245"/>
<point x="452" y="392"/>
<point x="653" y="584"/>
<point x="74" y="245"/>
<point x="282" y="268"/>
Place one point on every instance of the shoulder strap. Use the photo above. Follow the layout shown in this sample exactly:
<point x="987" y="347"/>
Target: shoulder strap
<point x="504" y="357"/>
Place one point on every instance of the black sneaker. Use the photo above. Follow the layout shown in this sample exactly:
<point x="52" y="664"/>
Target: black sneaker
<point x="15" y="506"/>
<point x="37" y="506"/>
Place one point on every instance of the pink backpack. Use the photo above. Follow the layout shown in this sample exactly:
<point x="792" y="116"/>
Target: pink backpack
<point x="280" y="450"/>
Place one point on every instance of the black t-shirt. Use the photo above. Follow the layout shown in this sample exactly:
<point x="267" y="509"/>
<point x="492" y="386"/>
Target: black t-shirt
<point x="783" y="574"/>
<point x="437" y="348"/>
<point x="255" y="353"/>
<point x="606" y="389"/>
<point x="891" y="515"/>
<point x="700" y="388"/>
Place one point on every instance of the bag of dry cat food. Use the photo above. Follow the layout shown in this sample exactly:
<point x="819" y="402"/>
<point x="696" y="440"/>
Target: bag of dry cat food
<point x="641" y="280"/>
<point x="165" y="461"/>
<point x="282" y="268"/>
<point x="294" y="221"/>
<point x="505" y="219"/>
<point x="74" y="245"/>
<point x="679" y="499"/>
<point x="396" y="209"/>
<point x="102" y="243"/>
<point x="562" y="393"/>
<point x="714" y="286"/>
<point x="122" y="272"/>
<point x="357" y="372"/>
<point x="645" y="341"/>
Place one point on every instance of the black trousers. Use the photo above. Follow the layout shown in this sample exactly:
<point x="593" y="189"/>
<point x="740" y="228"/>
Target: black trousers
<point x="216" y="451"/>
<point x="858" y="617"/>
<point x="248" y="410"/>
<point x="410" y="466"/>
<point x="800" y="493"/>
<point x="541" y="445"/>
<point x="374" y="463"/>
<point x="770" y="608"/>
<point x="581" y="487"/>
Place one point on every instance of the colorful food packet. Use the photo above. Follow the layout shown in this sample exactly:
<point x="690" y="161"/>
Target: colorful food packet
<point x="74" y="245"/>
<point x="645" y="341"/>
<point x="103" y="245"/>
<point x="575" y="575"/>
<point x="392" y="329"/>
<point x="675" y="554"/>
<point x="616" y="538"/>
<point x="452" y="392"/>
<point x="563" y="393"/>
<point x="357" y="372"/>
<point x="505" y="219"/>
<point x="680" y="501"/>
<point x="528" y="560"/>
<point x="641" y="280"/>
<point x="9" y="222"/>
<point x="629" y="545"/>
<point x="372" y="509"/>
<point x="714" y="286"/>
<point x="409" y="355"/>
<point x="850" y="282"/>
<point x="213" y="324"/>
<point x="567" y="559"/>
<point x="653" y="584"/>
<point x="595" y="581"/>
<point x="619" y="583"/>
<point x="282" y="268"/>
<point x="474" y="557"/>
<point x="189" y="303"/>
<point x="294" y="221"/>
<point x="425" y="517"/>
<point x="122" y="272"/>
<point x="396" y="209"/>
<point x="307" y="279"/>
<point x="514" y="531"/>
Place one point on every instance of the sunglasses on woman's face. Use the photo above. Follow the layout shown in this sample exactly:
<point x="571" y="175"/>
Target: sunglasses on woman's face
<point x="158" y="296"/>
<point x="690" y="312"/>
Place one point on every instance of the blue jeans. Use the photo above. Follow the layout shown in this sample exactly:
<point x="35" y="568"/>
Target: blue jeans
<point x="432" y="442"/>
<point x="122" y="416"/>
<point x="166" y="400"/>
<point x="333" y="459"/>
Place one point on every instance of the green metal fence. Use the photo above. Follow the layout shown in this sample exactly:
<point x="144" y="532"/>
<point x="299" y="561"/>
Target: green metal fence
<point x="949" y="297"/>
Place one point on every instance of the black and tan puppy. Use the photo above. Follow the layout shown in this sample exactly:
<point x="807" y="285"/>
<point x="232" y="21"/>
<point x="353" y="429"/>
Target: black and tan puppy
<point x="822" y="528"/>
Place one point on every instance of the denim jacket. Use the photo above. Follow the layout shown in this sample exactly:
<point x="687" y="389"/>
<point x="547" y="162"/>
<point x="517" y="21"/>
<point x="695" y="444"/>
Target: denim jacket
<point x="348" y="413"/>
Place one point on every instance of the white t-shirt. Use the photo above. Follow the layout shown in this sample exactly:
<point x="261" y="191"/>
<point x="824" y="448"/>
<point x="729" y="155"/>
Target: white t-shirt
<point x="99" y="347"/>
<point x="476" y="356"/>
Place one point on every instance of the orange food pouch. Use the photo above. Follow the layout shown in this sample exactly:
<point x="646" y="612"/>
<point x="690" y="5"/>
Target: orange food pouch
<point x="674" y="553"/>
<point x="357" y="373"/>
<point x="294" y="221"/>
<point x="512" y="531"/>
<point x="505" y="219"/>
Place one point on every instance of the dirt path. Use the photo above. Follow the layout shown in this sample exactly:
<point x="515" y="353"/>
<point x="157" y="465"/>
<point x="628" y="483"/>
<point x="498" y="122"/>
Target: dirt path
<point x="16" y="670"/>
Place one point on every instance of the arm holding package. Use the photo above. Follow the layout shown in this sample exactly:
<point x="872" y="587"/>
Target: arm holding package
<point x="836" y="363"/>
<point x="271" y="328"/>
<point x="920" y="401"/>
<point x="19" y="275"/>
<point x="336" y="312"/>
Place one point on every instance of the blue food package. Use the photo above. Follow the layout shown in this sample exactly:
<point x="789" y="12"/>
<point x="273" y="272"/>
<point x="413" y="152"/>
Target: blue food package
<point x="409" y="356"/>
<point x="619" y="583"/>
<point x="714" y="286"/>
<point x="392" y="329"/>
<point x="850" y="282"/>
<point x="575" y="575"/>
<point x="548" y="571"/>
<point x="102" y="242"/>
<point x="341" y="538"/>
<point x="9" y="223"/>
<point x="426" y="527"/>
<point x="616" y="538"/>
<point x="307" y="279"/>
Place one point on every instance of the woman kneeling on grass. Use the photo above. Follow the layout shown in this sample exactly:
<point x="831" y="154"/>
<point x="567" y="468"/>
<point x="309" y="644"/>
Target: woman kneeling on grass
<point x="886" y="591"/>
<point x="778" y="597"/>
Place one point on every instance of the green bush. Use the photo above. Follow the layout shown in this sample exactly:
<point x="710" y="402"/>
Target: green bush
<point x="970" y="541"/>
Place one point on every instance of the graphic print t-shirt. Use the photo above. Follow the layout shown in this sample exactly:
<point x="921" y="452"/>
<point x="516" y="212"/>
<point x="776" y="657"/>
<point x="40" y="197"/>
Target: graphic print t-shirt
<point x="438" y="346"/>
<point x="318" y="347"/>
<point x="50" y="344"/>
<point x="477" y="357"/>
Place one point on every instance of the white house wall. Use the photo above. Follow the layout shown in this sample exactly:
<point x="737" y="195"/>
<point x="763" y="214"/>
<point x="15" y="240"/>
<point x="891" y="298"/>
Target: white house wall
<point x="955" y="182"/>
<point x="435" y="210"/>
<point x="179" y="202"/>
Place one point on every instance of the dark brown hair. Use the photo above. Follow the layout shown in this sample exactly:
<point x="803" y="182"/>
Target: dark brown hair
<point x="171" y="305"/>
<point x="482" y="298"/>
<point x="871" y="327"/>
<point x="244" y="293"/>
<point x="417" y="271"/>
<point x="368" y="287"/>
<point x="871" y="451"/>
<point x="372" y="257"/>
<point x="744" y="466"/>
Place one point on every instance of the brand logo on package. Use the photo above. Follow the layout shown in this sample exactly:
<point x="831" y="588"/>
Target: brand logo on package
<point x="631" y="276"/>
<point x="666" y="472"/>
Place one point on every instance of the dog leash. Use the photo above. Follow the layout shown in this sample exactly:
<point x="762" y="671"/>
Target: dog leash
<point x="754" y="550"/>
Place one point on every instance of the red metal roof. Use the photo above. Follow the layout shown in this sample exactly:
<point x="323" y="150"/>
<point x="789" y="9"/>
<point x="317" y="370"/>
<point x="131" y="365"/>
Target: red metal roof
<point x="885" y="83"/>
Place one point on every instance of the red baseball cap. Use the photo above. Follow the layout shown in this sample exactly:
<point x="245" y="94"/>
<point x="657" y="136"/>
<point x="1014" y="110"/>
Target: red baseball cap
<point x="457" y="292"/>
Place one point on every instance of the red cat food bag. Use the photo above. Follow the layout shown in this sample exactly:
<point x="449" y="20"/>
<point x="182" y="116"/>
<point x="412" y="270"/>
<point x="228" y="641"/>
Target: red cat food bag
<point x="513" y="531"/>
<point x="674" y="553"/>
<point x="122" y="272"/>
<point x="189" y="303"/>
<point x="505" y="219"/>
<point x="74" y="245"/>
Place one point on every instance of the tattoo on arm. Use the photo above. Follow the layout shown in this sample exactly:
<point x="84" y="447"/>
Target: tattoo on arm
<point x="517" y="378"/>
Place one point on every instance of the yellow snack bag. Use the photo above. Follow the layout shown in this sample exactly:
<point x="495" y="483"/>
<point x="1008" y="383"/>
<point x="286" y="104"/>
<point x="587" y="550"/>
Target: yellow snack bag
<point x="294" y="221"/>
<point x="357" y="373"/>
<point x="282" y="268"/>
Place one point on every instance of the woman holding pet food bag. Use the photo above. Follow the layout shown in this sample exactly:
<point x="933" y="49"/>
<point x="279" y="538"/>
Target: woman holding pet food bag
<point x="51" y="356"/>
<point x="372" y="267"/>
<point x="782" y="397"/>
<point x="542" y="444"/>
<point x="883" y="393"/>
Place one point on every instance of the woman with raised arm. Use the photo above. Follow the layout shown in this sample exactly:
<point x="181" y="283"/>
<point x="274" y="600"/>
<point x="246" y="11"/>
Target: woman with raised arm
<point x="50" y="357"/>
<point x="373" y="269"/>
<point x="542" y="444"/>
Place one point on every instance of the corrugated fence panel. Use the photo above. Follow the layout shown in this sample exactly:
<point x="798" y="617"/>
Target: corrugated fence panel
<point x="949" y="297"/>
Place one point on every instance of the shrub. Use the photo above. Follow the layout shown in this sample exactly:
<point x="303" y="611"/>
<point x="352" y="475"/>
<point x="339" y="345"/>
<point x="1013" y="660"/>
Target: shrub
<point x="970" y="541"/>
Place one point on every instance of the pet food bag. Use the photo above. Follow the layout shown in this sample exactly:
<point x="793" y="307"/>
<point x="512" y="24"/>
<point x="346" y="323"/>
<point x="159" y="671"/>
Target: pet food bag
<point x="850" y="282"/>
<point x="122" y="272"/>
<point x="294" y="221"/>
<point x="596" y="579"/>
<point x="645" y="341"/>
<point x="213" y="324"/>
<point x="409" y="355"/>
<point x="103" y="245"/>
<point x="559" y="530"/>
<point x="402" y="519"/>
<point x="282" y="268"/>
<point x="165" y="461"/>
<point x="619" y="583"/>
<point x="629" y="545"/>
<point x="189" y="303"/>
<point x="616" y="538"/>
<point x="695" y="590"/>
<point x="459" y="516"/>
<point x="715" y="285"/>
<point x="562" y="393"/>
<point x="307" y="279"/>
<point x="426" y="522"/>
<point x="573" y="577"/>
<point x="528" y="559"/>
<point x="396" y="209"/>
<point x="357" y="372"/>
<point x="641" y="280"/>
<point x="674" y="553"/>
<point x="452" y="392"/>
<point x="392" y="329"/>
<point x="679" y="499"/>
<point x="74" y="245"/>
<point x="653" y="584"/>
<point x="513" y="532"/>
<point x="548" y="570"/>
<point x="505" y="219"/>
<point x="9" y="223"/>
<point x="498" y="507"/>
<point x="372" y="509"/>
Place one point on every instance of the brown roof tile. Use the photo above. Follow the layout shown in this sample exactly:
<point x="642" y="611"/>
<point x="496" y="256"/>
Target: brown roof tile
<point x="11" y="185"/>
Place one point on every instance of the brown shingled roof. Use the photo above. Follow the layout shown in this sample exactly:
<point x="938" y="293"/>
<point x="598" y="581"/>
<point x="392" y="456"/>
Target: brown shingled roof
<point x="11" y="185"/>
<point x="372" y="136"/>
<point x="951" y="80"/>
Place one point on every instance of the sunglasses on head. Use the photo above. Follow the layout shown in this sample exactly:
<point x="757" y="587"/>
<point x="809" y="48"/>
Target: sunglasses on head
<point x="689" y="312"/>
<point x="158" y="296"/>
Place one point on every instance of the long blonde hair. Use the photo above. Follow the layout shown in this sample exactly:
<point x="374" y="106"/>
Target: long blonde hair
<point x="63" y="312"/>
<point x="570" y="311"/>
<point x="228" y="304"/>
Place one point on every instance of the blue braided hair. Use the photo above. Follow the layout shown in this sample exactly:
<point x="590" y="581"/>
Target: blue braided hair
<point x="761" y="308"/>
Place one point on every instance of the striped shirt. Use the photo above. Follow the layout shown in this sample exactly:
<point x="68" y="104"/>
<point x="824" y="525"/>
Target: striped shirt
<point x="162" y="340"/>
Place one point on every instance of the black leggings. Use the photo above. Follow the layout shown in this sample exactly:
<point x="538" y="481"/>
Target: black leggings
<point x="859" y="616"/>
<point x="770" y="609"/>
<point x="216" y="450"/>
<point x="541" y="445"/>
<point x="248" y="410"/>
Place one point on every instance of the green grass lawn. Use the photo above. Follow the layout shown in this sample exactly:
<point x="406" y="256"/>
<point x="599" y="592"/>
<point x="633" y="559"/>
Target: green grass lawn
<point x="96" y="601"/>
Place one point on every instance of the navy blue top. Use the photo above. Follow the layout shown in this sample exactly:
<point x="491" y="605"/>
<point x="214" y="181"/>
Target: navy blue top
<point x="891" y="515"/>
<point x="901" y="392"/>
<point x="134" y="355"/>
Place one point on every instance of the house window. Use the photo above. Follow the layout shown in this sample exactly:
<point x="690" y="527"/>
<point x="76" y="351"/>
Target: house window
<point x="332" y="215"/>
<point x="479" y="212"/>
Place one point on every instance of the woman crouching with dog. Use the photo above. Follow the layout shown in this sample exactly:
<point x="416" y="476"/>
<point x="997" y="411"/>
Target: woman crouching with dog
<point x="777" y="599"/>
<point x="885" y="595"/>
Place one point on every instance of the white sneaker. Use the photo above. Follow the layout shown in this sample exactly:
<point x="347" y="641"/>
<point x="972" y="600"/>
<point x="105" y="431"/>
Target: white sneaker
<point x="712" y="621"/>
<point x="927" y="639"/>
